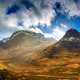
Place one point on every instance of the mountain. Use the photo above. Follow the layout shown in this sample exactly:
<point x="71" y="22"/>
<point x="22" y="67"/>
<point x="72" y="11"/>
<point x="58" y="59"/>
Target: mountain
<point x="23" y="47"/>
<point x="70" y="42"/>
<point x="72" y="33"/>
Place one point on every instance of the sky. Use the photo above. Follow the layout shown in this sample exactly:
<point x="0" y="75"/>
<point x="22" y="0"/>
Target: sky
<point x="52" y="18"/>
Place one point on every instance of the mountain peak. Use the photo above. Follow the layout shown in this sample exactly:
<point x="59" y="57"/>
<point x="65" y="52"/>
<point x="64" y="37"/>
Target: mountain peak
<point x="72" y="33"/>
<point x="23" y="33"/>
<point x="70" y="39"/>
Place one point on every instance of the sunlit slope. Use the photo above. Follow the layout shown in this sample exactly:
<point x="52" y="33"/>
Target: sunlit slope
<point x="27" y="39"/>
<point x="23" y="47"/>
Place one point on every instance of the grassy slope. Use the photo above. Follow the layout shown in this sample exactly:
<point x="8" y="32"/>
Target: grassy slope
<point x="64" y="66"/>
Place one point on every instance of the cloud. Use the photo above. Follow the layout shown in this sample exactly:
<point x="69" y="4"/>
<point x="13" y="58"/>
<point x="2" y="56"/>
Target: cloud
<point x="36" y="30"/>
<point x="58" y="32"/>
<point x="72" y="7"/>
<point x="13" y="9"/>
<point x="9" y="21"/>
<point x="28" y="12"/>
<point x="22" y="14"/>
<point x="34" y="11"/>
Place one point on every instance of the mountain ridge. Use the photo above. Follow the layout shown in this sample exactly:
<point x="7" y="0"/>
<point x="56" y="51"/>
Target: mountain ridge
<point x="23" y="36"/>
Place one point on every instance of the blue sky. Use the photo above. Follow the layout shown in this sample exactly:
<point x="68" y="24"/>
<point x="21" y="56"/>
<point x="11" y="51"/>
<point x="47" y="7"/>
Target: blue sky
<point x="52" y="18"/>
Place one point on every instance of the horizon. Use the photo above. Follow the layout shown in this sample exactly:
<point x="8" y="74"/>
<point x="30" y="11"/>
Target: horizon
<point x="40" y="33"/>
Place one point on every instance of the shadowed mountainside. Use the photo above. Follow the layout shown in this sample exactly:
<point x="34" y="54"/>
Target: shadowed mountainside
<point x="69" y="42"/>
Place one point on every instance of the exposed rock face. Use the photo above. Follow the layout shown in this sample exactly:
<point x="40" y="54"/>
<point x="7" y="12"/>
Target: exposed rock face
<point x="71" y="39"/>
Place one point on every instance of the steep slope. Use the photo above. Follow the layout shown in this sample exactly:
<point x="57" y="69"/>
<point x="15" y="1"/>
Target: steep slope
<point x="71" y="39"/>
<point x="70" y="42"/>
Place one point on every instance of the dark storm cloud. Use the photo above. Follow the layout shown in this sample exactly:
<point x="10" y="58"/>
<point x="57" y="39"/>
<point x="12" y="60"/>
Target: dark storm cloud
<point x="16" y="7"/>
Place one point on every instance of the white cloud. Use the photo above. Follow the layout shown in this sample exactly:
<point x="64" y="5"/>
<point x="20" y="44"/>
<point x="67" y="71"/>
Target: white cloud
<point x="36" y="30"/>
<point x="43" y="14"/>
<point x="71" y="6"/>
<point x="58" y="32"/>
<point x="9" y="21"/>
<point x="64" y="27"/>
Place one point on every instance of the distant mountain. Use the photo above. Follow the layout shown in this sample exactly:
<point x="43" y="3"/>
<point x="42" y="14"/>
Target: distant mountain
<point x="72" y="33"/>
<point x="23" y="47"/>
<point x="25" y="38"/>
